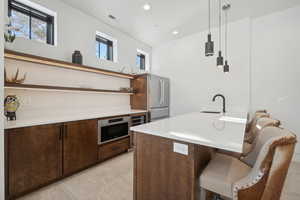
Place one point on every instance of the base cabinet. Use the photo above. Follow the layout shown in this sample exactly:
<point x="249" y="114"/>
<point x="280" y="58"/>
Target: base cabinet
<point x="80" y="148"/>
<point x="39" y="155"/>
<point x="32" y="158"/>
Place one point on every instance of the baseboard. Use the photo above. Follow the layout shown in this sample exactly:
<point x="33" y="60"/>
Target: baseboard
<point x="296" y="157"/>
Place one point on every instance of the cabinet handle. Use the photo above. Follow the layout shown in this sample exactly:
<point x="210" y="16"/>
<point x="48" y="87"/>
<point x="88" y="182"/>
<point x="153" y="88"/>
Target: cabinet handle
<point x="66" y="131"/>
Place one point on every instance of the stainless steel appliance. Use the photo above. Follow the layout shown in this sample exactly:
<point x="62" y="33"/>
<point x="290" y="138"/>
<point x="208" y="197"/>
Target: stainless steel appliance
<point x="113" y="129"/>
<point x="159" y="97"/>
<point x="138" y="120"/>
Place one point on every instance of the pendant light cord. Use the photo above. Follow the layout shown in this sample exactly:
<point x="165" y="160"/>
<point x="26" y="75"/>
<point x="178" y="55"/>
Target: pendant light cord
<point x="220" y="25"/>
<point x="226" y="28"/>
<point x="209" y="17"/>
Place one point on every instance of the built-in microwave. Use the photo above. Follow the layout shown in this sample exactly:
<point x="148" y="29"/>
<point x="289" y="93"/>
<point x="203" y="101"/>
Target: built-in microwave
<point x="113" y="129"/>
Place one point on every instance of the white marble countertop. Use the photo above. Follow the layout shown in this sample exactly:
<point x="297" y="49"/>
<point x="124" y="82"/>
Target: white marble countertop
<point x="214" y="130"/>
<point x="72" y="116"/>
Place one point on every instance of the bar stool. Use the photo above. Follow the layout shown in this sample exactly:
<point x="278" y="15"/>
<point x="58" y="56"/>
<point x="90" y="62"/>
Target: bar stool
<point x="260" y="124"/>
<point x="251" y="127"/>
<point x="234" y="179"/>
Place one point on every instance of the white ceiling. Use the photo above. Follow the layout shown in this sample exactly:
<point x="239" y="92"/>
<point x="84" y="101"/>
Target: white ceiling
<point x="187" y="16"/>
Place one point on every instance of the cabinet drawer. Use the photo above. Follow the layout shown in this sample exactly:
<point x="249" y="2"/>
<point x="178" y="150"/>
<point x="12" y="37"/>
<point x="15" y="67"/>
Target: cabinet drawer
<point x="113" y="148"/>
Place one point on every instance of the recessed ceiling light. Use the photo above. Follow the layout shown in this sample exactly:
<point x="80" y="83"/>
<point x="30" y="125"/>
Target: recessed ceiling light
<point x="147" y="6"/>
<point x="175" y="32"/>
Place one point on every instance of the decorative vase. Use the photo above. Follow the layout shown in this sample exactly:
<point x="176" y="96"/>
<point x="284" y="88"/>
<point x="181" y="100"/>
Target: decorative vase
<point x="77" y="57"/>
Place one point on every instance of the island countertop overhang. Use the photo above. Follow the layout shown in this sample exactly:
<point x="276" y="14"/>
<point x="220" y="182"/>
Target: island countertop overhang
<point x="221" y="131"/>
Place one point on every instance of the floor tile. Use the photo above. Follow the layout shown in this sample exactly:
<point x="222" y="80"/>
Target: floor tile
<point x="113" y="180"/>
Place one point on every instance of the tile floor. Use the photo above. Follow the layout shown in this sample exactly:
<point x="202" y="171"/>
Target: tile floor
<point x="113" y="180"/>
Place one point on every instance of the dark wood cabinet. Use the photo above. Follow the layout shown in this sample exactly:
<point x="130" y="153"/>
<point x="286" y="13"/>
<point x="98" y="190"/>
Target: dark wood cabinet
<point x="114" y="148"/>
<point x="80" y="148"/>
<point x="39" y="155"/>
<point x="160" y="173"/>
<point x="33" y="157"/>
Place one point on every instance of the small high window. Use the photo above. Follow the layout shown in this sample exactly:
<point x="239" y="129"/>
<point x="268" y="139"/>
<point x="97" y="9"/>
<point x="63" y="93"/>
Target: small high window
<point x="141" y="61"/>
<point x="106" y="48"/>
<point x="31" y="23"/>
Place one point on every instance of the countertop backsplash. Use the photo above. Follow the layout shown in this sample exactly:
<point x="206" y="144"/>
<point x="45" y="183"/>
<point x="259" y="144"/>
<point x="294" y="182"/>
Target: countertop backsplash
<point x="43" y="103"/>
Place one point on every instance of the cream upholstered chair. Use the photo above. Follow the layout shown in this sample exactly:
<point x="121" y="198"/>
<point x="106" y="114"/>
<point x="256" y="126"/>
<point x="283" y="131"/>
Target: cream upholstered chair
<point x="263" y="176"/>
<point x="260" y="123"/>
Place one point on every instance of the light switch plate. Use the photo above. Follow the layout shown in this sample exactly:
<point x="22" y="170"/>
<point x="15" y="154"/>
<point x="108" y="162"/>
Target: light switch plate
<point x="181" y="148"/>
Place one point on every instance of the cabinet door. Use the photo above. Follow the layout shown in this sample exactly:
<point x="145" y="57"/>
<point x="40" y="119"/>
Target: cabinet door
<point x="33" y="157"/>
<point x="80" y="145"/>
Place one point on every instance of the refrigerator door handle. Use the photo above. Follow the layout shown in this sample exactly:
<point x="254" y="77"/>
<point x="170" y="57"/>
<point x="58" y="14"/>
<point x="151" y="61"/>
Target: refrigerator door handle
<point x="161" y="91"/>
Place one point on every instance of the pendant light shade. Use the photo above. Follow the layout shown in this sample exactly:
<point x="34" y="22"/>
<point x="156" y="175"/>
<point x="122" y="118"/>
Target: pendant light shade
<point x="209" y="45"/>
<point x="220" y="59"/>
<point x="226" y="67"/>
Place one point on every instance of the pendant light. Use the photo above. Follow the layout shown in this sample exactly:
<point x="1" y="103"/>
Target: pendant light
<point x="226" y="7"/>
<point x="209" y="45"/>
<point x="220" y="59"/>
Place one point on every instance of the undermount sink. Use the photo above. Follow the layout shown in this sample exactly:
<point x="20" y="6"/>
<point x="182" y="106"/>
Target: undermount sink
<point x="211" y="112"/>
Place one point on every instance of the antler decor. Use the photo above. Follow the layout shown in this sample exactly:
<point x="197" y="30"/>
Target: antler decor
<point x="15" y="78"/>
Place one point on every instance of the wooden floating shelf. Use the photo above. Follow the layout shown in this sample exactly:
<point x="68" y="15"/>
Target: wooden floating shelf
<point x="58" y="63"/>
<point x="47" y="87"/>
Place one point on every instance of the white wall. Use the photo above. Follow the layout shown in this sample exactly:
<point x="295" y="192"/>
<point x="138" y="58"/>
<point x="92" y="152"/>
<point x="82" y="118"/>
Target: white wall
<point x="77" y="31"/>
<point x="265" y="68"/>
<point x="2" y="183"/>
<point x="276" y="67"/>
<point x="45" y="104"/>
<point x="195" y="79"/>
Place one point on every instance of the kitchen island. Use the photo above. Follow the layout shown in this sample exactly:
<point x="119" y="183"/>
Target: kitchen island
<point x="170" y="154"/>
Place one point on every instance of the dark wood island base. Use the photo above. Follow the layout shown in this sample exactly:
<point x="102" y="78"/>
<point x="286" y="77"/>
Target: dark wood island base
<point x="162" y="174"/>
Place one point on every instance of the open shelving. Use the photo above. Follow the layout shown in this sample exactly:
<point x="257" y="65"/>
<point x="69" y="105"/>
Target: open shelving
<point x="62" y="64"/>
<point x="48" y="87"/>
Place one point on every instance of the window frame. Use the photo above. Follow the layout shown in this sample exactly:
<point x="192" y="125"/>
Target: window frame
<point x="114" y="46"/>
<point x="37" y="14"/>
<point x="142" y="58"/>
<point x="147" y="60"/>
<point x="110" y="47"/>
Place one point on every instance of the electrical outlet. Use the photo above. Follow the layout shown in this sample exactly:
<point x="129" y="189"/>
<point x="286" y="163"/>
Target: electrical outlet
<point x="181" y="148"/>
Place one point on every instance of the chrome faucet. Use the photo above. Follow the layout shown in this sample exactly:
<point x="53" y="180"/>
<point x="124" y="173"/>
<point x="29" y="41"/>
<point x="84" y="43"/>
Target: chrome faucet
<point x="224" y="101"/>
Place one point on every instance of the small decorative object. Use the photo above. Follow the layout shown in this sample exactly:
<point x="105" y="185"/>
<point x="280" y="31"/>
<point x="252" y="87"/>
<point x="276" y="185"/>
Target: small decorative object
<point x="11" y="105"/>
<point x="77" y="57"/>
<point x="9" y="32"/>
<point x="122" y="70"/>
<point x="15" y="78"/>
<point x="126" y="89"/>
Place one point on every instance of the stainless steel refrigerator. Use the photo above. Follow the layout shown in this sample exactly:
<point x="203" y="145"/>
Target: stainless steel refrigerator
<point x="159" y="97"/>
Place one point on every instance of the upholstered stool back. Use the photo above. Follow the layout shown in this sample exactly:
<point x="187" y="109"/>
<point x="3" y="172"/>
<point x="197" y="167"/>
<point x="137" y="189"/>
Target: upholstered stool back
<point x="270" y="158"/>
<point x="251" y="127"/>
